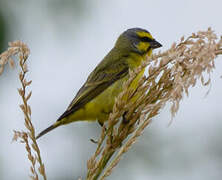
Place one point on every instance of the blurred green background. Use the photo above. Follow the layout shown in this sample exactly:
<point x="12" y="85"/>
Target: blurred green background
<point x="67" y="39"/>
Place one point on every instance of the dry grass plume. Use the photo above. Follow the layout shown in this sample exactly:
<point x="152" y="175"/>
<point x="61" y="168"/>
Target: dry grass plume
<point x="27" y="137"/>
<point x="170" y="76"/>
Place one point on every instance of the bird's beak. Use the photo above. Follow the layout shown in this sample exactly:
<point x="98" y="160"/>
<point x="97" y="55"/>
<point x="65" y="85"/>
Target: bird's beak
<point x="155" y="44"/>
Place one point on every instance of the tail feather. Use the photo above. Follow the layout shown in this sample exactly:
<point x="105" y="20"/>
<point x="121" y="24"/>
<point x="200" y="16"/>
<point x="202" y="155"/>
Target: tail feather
<point x="48" y="129"/>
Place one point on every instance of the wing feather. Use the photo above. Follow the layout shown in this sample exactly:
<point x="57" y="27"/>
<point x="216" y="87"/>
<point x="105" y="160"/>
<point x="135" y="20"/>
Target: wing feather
<point x="100" y="79"/>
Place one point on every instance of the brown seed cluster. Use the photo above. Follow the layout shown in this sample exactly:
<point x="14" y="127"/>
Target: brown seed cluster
<point x="22" y="51"/>
<point x="15" y="48"/>
<point x="170" y="75"/>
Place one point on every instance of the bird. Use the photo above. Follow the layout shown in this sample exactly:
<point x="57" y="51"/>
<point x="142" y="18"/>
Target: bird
<point x="95" y="99"/>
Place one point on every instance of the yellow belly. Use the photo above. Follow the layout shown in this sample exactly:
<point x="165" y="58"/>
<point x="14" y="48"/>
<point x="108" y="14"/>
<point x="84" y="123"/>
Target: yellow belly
<point x="101" y="106"/>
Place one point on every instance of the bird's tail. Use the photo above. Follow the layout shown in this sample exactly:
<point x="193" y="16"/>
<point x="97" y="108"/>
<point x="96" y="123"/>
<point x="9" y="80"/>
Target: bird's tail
<point x="55" y="125"/>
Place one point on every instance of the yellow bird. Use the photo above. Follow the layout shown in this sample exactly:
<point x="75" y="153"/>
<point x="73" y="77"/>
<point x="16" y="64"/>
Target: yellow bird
<point x="95" y="99"/>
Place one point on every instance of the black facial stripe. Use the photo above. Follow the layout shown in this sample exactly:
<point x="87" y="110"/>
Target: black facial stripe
<point x="148" y="49"/>
<point x="146" y="39"/>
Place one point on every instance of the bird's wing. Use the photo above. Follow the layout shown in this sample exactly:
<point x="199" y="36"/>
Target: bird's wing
<point x="99" y="80"/>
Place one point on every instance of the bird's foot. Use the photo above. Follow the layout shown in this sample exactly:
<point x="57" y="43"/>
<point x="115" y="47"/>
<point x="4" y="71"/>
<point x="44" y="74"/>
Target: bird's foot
<point x="125" y="121"/>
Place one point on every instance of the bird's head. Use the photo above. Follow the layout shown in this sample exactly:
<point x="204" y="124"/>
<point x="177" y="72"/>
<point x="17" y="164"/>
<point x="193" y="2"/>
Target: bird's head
<point x="137" y="40"/>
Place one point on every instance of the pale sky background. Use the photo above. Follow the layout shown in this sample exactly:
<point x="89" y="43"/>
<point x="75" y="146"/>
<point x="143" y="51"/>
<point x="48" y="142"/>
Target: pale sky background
<point x="67" y="41"/>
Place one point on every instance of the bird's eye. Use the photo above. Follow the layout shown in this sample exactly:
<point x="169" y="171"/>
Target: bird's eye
<point x="146" y="39"/>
